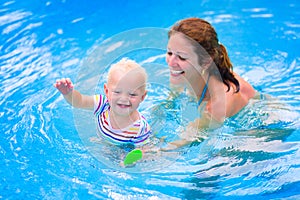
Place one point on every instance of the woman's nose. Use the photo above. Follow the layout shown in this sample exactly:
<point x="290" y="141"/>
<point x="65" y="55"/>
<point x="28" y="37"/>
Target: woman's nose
<point x="172" y="60"/>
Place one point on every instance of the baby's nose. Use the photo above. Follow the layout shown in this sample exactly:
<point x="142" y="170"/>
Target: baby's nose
<point x="124" y="98"/>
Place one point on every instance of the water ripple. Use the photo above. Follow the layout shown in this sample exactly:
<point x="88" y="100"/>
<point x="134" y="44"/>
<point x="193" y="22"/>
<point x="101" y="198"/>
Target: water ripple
<point x="43" y="156"/>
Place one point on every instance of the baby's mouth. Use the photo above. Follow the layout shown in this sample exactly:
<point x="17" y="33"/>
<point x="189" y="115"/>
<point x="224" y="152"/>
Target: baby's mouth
<point x="123" y="105"/>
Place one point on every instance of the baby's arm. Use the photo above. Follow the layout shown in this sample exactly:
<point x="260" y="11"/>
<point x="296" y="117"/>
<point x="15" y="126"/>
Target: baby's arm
<point x="72" y="96"/>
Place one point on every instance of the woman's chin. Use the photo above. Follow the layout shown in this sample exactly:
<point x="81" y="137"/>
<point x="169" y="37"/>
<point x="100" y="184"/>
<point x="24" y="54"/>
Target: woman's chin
<point x="178" y="80"/>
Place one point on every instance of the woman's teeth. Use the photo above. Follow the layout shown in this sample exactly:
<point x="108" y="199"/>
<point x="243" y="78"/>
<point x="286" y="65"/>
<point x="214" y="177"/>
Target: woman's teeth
<point x="176" y="72"/>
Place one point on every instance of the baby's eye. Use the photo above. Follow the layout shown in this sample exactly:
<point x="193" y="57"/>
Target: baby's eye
<point x="133" y="94"/>
<point x="116" y="92"/>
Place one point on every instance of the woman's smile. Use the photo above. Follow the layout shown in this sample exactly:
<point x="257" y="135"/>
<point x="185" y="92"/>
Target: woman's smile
<point x="176" y="72"/>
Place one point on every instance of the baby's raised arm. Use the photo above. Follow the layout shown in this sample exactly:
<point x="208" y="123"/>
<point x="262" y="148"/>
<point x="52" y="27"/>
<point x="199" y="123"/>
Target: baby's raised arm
<point x="64" y="85"/>
<point x="72" y="96"/>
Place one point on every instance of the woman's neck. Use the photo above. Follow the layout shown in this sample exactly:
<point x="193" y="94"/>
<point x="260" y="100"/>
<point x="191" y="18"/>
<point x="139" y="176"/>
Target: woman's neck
<point x="198" y="87"/>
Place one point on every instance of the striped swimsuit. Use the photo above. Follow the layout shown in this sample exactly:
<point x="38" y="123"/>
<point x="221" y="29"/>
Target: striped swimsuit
<point x="135" y="133"/>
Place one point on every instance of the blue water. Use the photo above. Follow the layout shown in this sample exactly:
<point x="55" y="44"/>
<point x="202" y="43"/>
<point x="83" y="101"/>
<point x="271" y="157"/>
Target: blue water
<point x="45" y="154"/>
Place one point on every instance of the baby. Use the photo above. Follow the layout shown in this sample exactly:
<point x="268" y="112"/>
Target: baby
<point x="116" y="112"/>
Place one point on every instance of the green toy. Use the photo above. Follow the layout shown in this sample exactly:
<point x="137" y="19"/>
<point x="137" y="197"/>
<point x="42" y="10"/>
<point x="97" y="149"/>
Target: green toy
<point x="133" y="156"/>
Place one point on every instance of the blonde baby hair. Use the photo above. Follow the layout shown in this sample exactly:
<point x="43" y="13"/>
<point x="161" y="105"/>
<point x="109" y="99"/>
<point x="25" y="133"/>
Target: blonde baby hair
<point x="127" y="65"/>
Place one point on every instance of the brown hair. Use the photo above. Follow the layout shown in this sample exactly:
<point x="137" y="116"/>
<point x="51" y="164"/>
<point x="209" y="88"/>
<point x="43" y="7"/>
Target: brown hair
<point x="204" y="34"/>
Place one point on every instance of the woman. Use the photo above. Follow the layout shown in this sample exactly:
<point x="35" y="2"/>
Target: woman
<point x="200" y="64"/>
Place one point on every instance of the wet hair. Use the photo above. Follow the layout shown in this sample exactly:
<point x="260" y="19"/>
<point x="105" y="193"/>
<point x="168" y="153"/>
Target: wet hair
<point x="204" y="34"/>
<point x="126" y="65"/>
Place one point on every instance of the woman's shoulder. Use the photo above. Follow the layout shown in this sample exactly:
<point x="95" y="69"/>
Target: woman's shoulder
<point x="246" y="89"/>
<point x="238" y="100"/>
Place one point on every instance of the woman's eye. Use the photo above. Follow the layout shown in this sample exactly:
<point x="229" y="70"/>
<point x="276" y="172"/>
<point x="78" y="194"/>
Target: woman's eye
<point x="181" y="58"/>
<point x="169" y="53"/>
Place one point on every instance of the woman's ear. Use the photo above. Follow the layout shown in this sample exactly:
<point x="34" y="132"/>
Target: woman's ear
<point x="207" y="63"/>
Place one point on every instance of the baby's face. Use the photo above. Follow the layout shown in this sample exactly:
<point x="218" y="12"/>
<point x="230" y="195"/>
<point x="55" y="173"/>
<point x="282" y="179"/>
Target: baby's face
<point x="125" y="92"/>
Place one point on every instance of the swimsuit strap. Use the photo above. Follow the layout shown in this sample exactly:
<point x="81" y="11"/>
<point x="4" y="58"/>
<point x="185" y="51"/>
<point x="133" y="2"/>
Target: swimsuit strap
<point x="204" y="91"/>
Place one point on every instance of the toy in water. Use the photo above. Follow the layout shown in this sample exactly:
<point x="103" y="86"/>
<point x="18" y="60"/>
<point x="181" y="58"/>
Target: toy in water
<point x="133" y="156"/>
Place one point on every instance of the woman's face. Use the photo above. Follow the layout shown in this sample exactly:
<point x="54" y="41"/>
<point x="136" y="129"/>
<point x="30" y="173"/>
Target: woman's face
<point x="182" y="60"/>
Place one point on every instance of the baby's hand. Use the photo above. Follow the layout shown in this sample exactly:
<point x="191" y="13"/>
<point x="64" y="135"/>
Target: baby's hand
<point x="64" y="85"/>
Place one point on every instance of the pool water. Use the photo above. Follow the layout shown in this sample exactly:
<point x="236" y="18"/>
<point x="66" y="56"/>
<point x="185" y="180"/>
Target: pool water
<point x="47" y="148"/>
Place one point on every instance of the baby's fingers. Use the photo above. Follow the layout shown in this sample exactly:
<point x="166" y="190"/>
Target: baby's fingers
<point x="69" y="83"/>
<point x="64" y="85"/>
<point x="64" y="82"/>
